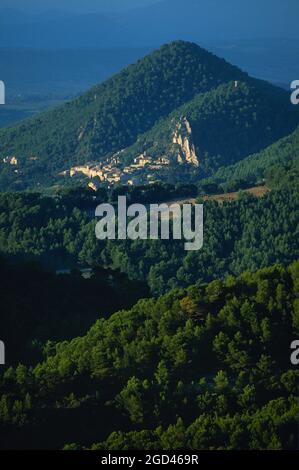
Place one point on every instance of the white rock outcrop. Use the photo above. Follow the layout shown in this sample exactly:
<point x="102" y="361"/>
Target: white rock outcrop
<point x="183" y="138"/>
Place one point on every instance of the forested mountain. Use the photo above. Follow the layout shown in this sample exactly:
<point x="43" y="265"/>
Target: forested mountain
<point x="111" y="116"/>
<point x="226" y="124"/>
<point x="203" y="368"/>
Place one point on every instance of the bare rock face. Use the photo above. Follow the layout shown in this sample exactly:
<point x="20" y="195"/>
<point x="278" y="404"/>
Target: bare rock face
<point x="183" y="138"/>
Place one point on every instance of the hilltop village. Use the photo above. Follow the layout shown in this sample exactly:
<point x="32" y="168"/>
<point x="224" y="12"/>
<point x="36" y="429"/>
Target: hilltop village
<point x="145" y="169"/>
<point x="140" y="172"/>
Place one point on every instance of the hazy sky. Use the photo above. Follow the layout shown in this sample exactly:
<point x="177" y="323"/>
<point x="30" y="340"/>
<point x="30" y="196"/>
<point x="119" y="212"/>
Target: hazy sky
<point x="66" y="23"/>
<point x="75" y="5"/>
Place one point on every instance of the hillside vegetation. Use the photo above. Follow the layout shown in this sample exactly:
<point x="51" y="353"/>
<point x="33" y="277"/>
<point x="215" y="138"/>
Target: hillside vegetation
<point x="113" y="115"/>
<point x="246" y="234"/>
<point x="202" y="368"/>
<point x="280" y="159"/>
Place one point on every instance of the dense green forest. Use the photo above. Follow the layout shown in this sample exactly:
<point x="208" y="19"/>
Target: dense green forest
<point x="207" y="367"/>
<point x="113" y="115"/>
<point x="203" y="367"/>
<point x="246" y="234"/>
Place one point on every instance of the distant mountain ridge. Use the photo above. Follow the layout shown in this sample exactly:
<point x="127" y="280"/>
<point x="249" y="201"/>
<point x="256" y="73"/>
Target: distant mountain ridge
<point x="197" y="20"/>
<point x="112" y="116"/>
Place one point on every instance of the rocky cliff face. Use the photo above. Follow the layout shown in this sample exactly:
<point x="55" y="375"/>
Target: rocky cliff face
<point x="182" y="137"/>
